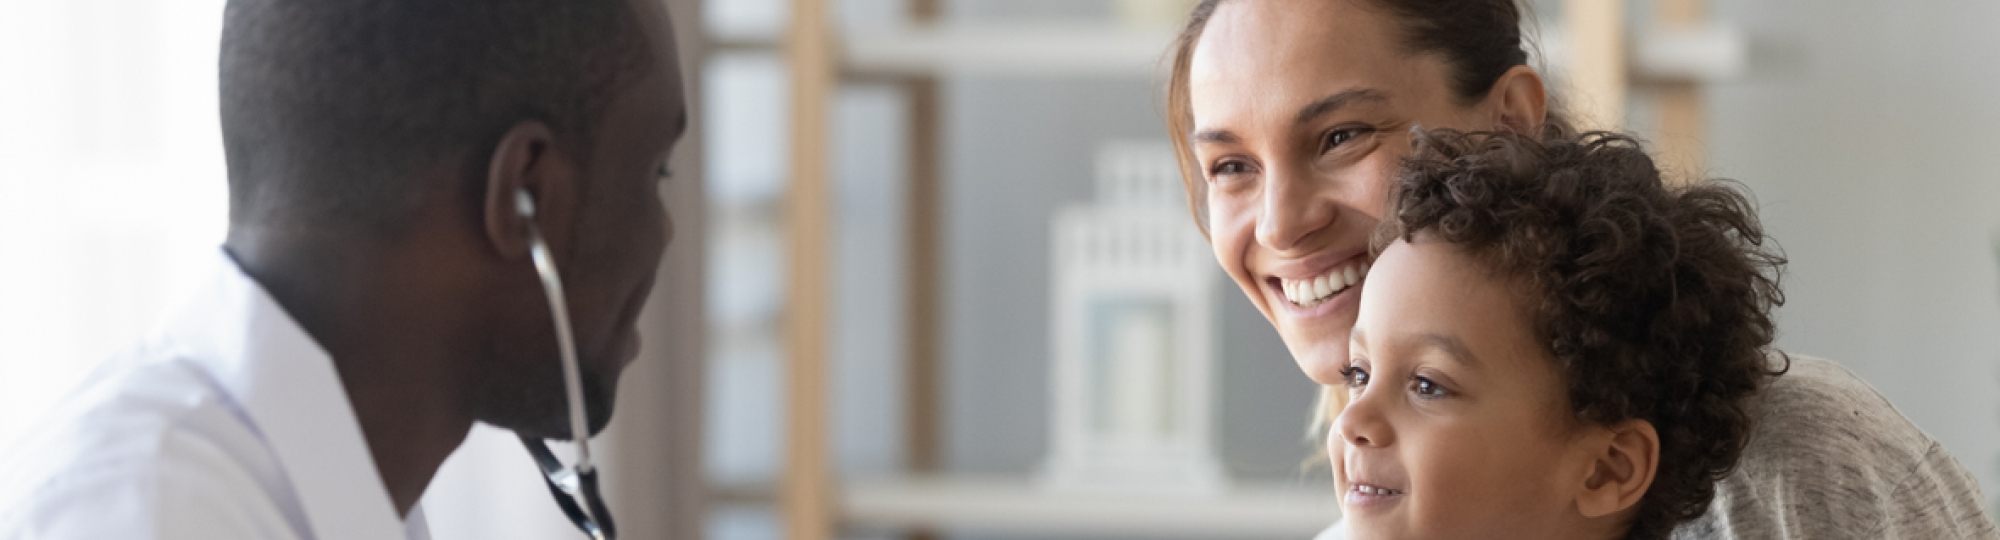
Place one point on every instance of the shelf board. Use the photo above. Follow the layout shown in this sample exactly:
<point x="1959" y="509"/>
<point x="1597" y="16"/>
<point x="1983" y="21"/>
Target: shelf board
<point x="1008" y="49"/>
<point x="1017" y="505"/>
<point x="1698" y="53"/>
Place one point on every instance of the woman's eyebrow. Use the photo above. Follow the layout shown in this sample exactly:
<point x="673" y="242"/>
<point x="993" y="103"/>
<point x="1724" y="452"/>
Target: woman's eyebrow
<point x="1215" y="136"/>
<point x="1320" y="107"/>
<point x="1329" y="104"/>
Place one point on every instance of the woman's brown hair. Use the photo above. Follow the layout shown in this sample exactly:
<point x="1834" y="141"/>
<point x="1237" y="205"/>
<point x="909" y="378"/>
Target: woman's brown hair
<point x="1479" y="39"/>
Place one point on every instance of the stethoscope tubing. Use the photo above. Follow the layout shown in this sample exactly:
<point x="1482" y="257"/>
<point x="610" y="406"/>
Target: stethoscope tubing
<point x="581" y="481"/>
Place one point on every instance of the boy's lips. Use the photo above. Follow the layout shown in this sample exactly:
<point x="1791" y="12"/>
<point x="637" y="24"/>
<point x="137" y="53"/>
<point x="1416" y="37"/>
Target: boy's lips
<point x="1371" y="489"/>
<point x="1374" y="488"/>
<point x="1375" y="491"/>
<point x="1364" y="496"/>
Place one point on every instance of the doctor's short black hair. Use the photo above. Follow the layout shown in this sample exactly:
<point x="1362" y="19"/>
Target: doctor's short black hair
<point x="330" y="108"/>
<point x="1654" y="299"/>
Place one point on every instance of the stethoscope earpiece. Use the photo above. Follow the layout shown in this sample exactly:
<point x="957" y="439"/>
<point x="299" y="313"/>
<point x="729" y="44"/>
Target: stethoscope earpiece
<point x="524" y="204"/>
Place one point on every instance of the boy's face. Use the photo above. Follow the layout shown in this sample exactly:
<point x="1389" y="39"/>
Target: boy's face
<point x="1457" y="424"/>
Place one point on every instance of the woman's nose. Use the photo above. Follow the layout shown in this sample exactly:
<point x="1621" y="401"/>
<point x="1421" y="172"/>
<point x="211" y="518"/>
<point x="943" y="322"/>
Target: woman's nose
<point x="1293" y="209"/>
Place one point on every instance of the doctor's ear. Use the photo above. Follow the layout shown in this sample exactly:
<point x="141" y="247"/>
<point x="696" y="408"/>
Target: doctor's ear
<point x="528" y="180"/>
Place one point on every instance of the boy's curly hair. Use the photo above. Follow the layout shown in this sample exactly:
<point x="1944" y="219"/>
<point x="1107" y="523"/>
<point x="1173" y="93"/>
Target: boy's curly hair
<point x="1654" y="300"/>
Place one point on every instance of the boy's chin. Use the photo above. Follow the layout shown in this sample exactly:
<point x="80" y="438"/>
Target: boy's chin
<point x="1374" y="528"/>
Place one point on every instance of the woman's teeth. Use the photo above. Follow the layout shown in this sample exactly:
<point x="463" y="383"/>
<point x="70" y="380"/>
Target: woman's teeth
<point x="1310" y="292"/>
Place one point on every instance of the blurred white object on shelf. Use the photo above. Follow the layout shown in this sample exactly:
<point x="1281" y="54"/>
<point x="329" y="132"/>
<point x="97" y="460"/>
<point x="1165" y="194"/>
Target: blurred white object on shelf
<point x="1133" y="326"/>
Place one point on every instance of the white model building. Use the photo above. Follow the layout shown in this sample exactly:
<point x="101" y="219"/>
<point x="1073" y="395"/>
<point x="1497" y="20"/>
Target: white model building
<point x="1133" y="332"/>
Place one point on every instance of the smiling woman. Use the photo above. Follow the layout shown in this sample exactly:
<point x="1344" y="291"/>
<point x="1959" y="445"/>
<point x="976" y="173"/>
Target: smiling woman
<point x="1291" y="118"/>
<point x="1291" y="115"/>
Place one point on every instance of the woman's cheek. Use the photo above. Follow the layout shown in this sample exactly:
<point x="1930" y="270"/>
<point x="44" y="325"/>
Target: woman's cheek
<point x="1378" y="174"/>
<point x="1232" y="234"/>
<point x="1231" y="229"/>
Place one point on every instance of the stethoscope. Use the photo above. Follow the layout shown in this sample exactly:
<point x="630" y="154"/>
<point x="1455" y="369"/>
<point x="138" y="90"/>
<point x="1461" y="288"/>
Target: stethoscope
<point x="575" y="489"/>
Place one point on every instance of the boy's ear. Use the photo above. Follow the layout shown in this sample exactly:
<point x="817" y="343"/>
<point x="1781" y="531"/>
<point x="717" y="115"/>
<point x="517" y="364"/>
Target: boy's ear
<point x="1623" y="469"/>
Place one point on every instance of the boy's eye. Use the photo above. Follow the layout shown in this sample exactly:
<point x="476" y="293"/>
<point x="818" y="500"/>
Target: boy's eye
<point x="1428" y="388"/>
<point x="1355" y="377"/>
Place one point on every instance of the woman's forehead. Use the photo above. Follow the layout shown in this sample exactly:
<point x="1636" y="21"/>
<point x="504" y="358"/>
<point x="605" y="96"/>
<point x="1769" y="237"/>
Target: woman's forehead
<point x="1267" y="56"/>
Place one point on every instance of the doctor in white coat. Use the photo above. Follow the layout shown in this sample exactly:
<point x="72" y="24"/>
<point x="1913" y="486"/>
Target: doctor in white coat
<point x="406" y="179"/>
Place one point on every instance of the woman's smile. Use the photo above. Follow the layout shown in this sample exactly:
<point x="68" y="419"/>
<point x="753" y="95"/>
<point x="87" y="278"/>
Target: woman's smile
<point x="1311" y="300"/>
<point x="1303" y="295"/>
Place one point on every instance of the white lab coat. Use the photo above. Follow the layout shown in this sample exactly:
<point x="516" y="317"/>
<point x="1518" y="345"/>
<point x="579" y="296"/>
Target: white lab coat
<point x="228" y="423"/>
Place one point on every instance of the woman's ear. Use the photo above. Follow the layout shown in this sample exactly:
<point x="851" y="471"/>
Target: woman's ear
<point x="526" y="161"/>
<point x="1622" y="470"/>
<point x="1519" y="100"/>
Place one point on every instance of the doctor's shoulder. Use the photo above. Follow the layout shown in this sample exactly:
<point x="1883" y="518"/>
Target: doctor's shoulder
<point x="146" y="448"/>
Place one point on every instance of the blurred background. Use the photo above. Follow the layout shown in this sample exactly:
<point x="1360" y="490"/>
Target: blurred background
<point x="855" y="333"/>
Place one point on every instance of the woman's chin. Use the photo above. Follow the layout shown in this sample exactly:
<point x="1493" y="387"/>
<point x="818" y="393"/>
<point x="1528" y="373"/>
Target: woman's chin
<point x="1322" y="361"/>
<point x="1317" y="335"/>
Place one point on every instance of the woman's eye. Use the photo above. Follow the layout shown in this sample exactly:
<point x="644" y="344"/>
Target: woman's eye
<point x="1228" y="168"/>
<point x="664" y="173"/>
<point x="1355" y="377"/>
<point x="1428" y="388"/>
<point x="1341" y="136"/>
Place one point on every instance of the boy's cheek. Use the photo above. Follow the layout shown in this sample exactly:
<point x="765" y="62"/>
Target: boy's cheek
<point x="1336" y="458"/>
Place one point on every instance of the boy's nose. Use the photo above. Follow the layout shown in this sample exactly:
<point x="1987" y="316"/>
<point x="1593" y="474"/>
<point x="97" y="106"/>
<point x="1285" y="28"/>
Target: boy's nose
<point x="1360" y="424"/>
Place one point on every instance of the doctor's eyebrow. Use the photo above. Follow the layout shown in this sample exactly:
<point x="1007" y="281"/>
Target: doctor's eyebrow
<point x="677" y="130"/>
<point x="681" y="124"/>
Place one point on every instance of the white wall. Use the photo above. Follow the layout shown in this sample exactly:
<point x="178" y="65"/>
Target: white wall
<point x="111" y="182"/>
<point x="113" y="195"/>
<point x="1869" y="131"/>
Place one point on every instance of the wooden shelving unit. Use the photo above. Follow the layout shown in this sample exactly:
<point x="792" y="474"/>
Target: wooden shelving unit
<point x="814" y="506"/>
<point x="1020" y="506"/>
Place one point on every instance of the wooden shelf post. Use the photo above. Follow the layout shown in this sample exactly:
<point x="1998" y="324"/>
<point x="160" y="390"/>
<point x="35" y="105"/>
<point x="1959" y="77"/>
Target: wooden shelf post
<point x="1597" y="73"/>
<point x="806" y="495"/>
<point x="1682" y="124"/>
<point x="923" y="297"/>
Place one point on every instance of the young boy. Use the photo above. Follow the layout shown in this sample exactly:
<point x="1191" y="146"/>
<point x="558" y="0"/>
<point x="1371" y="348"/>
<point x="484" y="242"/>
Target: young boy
<point x="1554" y="344"/>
